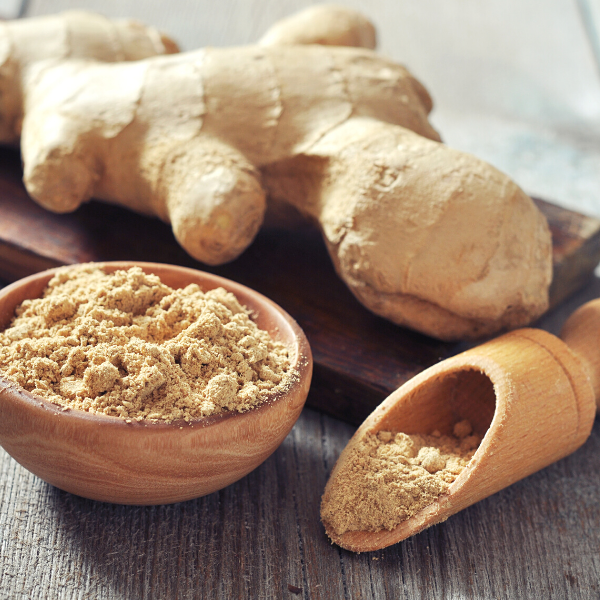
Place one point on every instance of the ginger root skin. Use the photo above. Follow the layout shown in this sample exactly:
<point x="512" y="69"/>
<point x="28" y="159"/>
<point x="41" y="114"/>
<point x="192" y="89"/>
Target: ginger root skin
<point x="120" y="132"/>
<point x="324" y="24"/>
<point x="72" y="34"/>
<point x="424" y="235"/>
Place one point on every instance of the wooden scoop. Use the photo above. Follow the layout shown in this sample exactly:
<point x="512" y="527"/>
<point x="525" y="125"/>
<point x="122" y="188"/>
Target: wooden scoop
<point x="530" y="395"/>
<point x="106" y="458"/>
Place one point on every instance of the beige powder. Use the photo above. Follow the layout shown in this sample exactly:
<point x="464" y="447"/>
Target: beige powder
<point x="127" y="345"/>
<point x="389" y="477"/>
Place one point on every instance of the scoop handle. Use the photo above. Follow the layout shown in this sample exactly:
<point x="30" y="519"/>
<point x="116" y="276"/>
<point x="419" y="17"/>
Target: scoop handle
<point x="581" y="333"/>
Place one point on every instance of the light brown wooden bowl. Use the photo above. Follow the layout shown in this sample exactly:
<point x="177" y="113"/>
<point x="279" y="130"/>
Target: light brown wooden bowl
<point x="104" y="458"/>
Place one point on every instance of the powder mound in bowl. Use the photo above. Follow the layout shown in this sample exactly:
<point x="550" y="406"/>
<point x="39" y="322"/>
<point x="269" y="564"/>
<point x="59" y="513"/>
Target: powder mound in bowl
<point x="389" y="477"/>
<point x="125" y="344"/>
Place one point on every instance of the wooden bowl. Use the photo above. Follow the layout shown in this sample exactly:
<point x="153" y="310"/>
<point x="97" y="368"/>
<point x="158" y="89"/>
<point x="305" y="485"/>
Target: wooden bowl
<point x="104" y="458"/>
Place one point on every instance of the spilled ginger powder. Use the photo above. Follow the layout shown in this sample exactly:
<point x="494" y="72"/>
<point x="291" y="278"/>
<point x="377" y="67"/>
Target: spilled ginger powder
<point x="127" y="345"/>
<point x="388" y="477"/>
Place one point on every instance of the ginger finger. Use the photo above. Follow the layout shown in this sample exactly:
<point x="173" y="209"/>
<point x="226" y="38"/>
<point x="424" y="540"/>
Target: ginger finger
<point x="331" y="25"/>
<point x="72" y="34"/>
<point x="214" y="199"/>
<point x="422" y="234"/>
<point x="325" y="24"/>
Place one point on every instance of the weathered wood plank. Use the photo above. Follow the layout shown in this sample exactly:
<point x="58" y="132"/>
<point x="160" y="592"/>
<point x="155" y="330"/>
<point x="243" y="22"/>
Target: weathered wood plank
<point x="539" y="538"/>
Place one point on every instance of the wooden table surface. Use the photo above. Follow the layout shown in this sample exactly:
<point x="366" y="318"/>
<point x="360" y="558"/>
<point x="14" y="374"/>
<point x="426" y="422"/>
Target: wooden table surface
<point x="261" y="537"/>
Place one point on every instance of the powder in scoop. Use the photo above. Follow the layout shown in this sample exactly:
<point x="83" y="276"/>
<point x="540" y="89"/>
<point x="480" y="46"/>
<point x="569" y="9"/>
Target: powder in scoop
<point x="127" y="345"/>
<point x="388" y="477"/>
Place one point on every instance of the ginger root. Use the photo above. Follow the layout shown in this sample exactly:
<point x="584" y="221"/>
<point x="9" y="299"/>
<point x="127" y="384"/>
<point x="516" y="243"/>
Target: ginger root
<point x="323" y="24"/>
<point x="72" y="34"/>
<point x="424" y="235"/>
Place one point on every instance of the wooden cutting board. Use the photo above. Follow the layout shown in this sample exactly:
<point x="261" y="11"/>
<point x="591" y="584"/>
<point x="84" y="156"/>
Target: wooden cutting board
<point x="359" y="358"/>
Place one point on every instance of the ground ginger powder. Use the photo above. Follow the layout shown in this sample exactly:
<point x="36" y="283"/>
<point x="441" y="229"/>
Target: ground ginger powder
<point x="127" y="345"/>
<point x="389" y="477"/>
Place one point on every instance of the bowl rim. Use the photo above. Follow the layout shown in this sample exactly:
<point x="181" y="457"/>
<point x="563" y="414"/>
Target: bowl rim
<point x="302" y="362"/>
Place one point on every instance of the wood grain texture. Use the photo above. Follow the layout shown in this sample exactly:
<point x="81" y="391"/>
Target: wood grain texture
<point x="537" y="539"/>
<point x="352" y="374"/>
<point x="581" y="333"/>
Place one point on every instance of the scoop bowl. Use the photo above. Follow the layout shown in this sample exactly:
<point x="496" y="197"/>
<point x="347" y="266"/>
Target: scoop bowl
<point x="526" y="393"/>
<point x="105" y="458"/>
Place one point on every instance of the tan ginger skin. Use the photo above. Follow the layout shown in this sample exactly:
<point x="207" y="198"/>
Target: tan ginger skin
<point x="423" y="235"/>
<point x="72" y="34"/>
